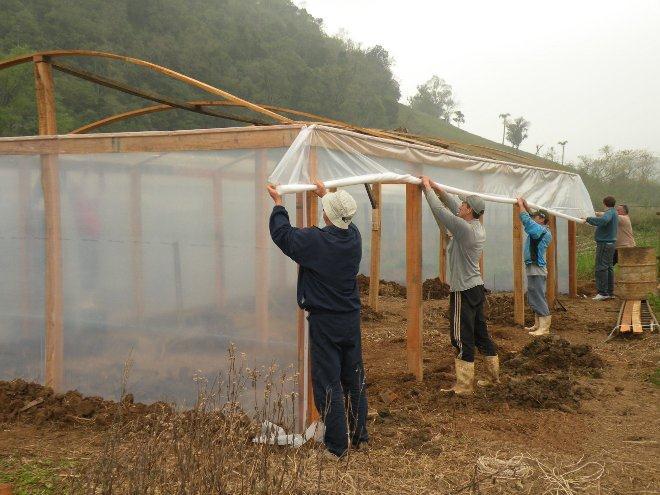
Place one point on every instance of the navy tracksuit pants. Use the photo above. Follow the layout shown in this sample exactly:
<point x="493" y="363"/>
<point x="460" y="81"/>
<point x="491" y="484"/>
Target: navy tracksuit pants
<point x="338" y="379"/>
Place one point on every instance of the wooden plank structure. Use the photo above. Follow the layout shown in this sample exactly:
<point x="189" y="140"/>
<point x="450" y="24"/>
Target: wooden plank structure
<point x="260" y="137"/>
<point x="517" y="249"/>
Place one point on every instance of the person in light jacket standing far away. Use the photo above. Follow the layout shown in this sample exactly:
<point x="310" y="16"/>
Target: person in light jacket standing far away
<point x="536" y="247"/>
<point x="329" y="260"/>
<point x="605" y="236"/>
<point x="624" y="232"/>
<point x="467" y="323"/>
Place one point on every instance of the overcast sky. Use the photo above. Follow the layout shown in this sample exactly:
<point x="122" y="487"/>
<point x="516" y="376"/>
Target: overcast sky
<point x="581" y="70"/>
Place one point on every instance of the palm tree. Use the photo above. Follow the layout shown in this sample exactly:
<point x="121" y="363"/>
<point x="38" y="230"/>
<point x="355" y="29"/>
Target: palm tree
<point x="459" y="118"/>
<point x="505" y="121"/>
<point x="563" y="147"/>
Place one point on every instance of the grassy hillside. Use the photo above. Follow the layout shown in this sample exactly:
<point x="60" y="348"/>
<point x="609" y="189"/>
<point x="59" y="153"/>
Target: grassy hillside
<point x="423" y="124"/>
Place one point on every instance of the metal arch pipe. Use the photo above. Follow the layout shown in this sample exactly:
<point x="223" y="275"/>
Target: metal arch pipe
<point x="151" y="66"/>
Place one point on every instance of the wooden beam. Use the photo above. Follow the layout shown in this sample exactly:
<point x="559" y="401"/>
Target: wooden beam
<point x="261" y="245"/>
<point x="518" y="288"/>
<point x="635" y="317"/>
<point x="626" y="319"/>
<point x="136" y="249"/>
<point x="442" y="256"/>
<point x="551" y="260"/>
<point x="374" y="271"/>
<point x="305" y="402"/>
<point x="45" y="96"/>
<point x="572" y="259"/>
<point x="54" y="364"/>
<point x="414" y="280"/>
<point x="155" y="141"/>
<point x="218" y="240"/>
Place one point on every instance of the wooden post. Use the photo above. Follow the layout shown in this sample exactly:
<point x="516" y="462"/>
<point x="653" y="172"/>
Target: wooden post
<point x="551" y="259"/>
<point x="414" y="280"/>
<point x="45" y="95"/>
<point x="374" y="271"/>
<point x="261" y="245"/>
<point x="442" y="256"/>
<point x="136" y="252"/>
<point x="218" y="241"/>
<point x="50" y="182"/>
<point x="24" y="219"/>
<point x="302" y="351"/>
<point x="481" y="258"/>
<point x="572" y="259"/>
<point x="518" y="294"/>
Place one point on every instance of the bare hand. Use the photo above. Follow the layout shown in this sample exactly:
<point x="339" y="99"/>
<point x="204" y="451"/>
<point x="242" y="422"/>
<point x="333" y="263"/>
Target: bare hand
<point x="320" y="189"/>
<point x="426" y="182"/>
<point x="277" y="197"/>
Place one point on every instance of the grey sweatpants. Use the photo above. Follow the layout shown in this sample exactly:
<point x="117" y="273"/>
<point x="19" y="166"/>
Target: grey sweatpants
<point x="536" y="294"/>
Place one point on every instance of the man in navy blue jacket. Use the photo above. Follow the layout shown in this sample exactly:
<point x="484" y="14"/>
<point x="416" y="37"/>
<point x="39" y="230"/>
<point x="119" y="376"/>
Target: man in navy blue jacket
<point x="606" y="231"/>
<point x="329" y="260"/>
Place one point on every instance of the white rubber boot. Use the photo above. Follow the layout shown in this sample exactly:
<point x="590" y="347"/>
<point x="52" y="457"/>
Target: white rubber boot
<point x="535" y="326"/>
<point x="464" y="385"/>
<point x="544" y="326"/>
<point x="492" y="371"/>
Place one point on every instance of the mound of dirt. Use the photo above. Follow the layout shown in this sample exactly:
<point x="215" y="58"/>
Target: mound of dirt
<point x="392" y="289"/>
<point x="546" y="391"/>
<point x="499" y="308"/>
<point x="34" y="403"/>
<point x="433" y="288"/>
<point x="553" y="354"/>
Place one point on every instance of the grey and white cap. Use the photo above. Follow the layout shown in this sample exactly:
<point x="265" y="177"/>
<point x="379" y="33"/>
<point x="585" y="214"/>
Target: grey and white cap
<point x="339" y="207"/>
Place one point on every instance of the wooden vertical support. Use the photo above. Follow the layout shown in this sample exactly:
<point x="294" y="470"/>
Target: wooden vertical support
<point x="442" y="255"/>
<point x="312" y="220"/>
<point x="218" y="240"/>
<point x="261" y="245"/>
<point x="414" y="280"/>
<point x="551" y="260"/>
<point x="518" y="294"/>
<point x="572" y="259"/>
<point x="45" y="95"/>
<point x="374" y="271"/>
<point x="136" y="251"/>
<point x="481" y="258"/>
<point x="312" y="198"/>
<point x="54" y="365"/>
<point x="300" y="327"/>
<point x="50" y="182"/>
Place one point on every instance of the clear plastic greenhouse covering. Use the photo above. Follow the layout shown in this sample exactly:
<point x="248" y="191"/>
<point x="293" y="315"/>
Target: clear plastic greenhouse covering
<point x="166" y="258"/>
<point x="345" y="158"/>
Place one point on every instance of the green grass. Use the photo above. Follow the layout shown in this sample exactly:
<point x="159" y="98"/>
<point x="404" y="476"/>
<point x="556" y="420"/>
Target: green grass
<point x="426" y="125"/>
<point x="31" y="476"/>
<point x="587" y="250"/>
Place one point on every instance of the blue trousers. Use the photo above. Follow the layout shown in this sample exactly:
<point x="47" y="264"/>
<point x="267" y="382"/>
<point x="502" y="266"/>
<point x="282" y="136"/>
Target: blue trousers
<point x="338" y="379"/>
<point x="605" y="268"/>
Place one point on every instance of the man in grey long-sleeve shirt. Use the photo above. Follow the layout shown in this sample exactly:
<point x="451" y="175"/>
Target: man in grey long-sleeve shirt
<point x="466" y="302"/>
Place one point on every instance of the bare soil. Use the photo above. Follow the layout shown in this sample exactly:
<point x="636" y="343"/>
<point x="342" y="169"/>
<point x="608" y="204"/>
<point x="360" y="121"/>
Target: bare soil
<point x="568" y="399"/>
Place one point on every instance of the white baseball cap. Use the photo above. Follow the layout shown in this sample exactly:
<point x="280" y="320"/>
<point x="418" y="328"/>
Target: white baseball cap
<point x="339" y="207"/>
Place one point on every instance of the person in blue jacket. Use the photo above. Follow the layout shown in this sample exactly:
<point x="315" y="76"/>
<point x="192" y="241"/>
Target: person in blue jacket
<point x="329" y="260"/>
<point x="538" y="239"/>
<point x="606" y="231"/>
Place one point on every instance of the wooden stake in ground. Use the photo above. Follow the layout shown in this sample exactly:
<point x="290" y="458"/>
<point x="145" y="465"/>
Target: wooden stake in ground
<point x="374" y="273"/>
<point x="551" y="260"/>
<point x="414" y="280"/>
<point x="572" y="259"/>
<point x="518" y="291"/>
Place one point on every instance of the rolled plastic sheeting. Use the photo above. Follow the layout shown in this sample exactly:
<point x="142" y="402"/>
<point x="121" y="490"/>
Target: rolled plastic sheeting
<point x="348" y="159"/>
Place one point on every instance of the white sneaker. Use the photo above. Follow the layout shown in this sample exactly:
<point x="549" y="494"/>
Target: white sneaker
<point x="600" y="297"/>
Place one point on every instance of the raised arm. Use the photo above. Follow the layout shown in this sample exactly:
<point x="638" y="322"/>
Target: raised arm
<point x="443" y="216"/>
<point x="604" y="219"/>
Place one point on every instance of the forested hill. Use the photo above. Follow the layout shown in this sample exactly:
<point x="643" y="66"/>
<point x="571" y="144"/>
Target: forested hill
<point x="268" y="51"/>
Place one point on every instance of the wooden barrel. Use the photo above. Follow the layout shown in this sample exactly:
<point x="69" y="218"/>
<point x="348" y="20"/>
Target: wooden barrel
<point x="637" y="273"/>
